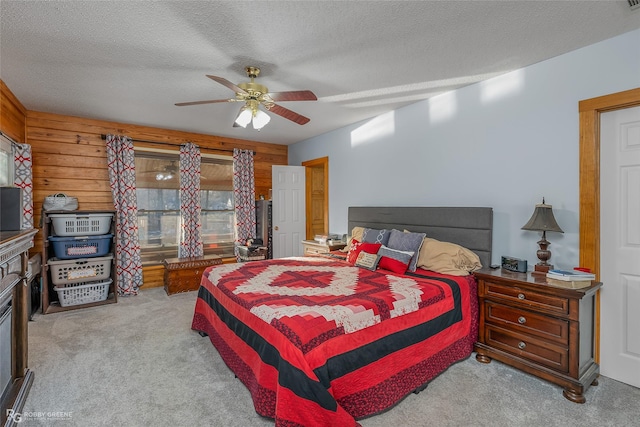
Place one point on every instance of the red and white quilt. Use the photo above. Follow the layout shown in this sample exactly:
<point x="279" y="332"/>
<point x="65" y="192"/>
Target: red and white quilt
<point x="320" y="342"/>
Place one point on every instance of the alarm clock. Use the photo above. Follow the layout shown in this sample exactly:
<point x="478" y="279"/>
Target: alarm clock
<point x="514" y="264"/>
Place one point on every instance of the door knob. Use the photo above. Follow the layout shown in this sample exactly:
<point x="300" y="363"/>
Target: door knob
<point x="275" y="228"/>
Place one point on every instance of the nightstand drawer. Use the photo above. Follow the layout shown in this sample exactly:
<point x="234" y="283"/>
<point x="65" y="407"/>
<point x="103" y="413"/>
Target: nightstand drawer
<point x="524" y="321"/>
<point x="528" y="347"/>
<point x="314" y="250"/>
<point x="528" y="299"/>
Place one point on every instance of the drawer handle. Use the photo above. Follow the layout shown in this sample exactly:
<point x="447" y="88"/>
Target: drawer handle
<point x="520" y="296"/>
<point x="522" y="320"/>
<point x="521" y="345"/>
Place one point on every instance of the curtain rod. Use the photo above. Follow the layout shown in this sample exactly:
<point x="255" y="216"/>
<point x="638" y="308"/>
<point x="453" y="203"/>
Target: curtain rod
<point x="11" y="140"/>
<point x="104" y="137"/>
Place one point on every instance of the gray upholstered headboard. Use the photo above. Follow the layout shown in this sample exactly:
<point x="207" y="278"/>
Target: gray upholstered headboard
<point x="470" y="227"/>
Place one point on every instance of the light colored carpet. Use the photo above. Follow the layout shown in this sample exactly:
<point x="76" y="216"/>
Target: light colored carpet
<point x="138" y="363"/>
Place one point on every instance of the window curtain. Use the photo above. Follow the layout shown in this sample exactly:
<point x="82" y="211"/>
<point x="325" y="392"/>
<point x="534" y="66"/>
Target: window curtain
<point x="24" y="179"/>
<point x="122" y="178"/>
<point x="190" y="237"/>
<point x="244" y="194"/>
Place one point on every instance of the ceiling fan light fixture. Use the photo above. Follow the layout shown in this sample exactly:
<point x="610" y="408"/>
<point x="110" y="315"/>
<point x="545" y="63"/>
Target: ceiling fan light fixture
<point x="260" y="119"/>
<point x="163" y="176"/>
<point x="244" y="116"/>
<point x="254" y="94"/>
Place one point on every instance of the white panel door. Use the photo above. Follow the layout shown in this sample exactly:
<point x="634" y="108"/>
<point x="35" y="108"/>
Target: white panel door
<point x="289" y="225"/>
<point x="620" y="245"/>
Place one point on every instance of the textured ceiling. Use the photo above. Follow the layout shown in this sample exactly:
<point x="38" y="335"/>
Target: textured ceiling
<point x="131" y="61"/>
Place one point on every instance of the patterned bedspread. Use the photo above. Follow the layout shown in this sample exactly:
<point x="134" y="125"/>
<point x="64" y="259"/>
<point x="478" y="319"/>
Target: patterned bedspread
<point x="319" y="342"/>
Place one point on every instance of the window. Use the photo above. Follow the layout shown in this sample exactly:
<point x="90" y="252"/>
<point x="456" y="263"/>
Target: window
<point x="6" y="163"/>
<point x="216" y="201"/>
<point x="158" y="192"/>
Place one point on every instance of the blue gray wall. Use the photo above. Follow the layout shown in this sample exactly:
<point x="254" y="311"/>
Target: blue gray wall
<point x="504" y="143"/>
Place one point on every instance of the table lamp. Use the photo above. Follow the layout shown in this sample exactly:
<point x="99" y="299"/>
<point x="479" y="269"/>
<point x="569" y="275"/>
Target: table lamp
<point x="543" y="220"/>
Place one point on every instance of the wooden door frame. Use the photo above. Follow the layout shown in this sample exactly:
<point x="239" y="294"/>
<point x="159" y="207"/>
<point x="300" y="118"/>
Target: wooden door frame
<point x="589" y="246"/>
<point x="324" y="163"/>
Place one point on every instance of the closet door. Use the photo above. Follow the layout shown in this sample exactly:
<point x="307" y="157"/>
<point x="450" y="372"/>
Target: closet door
<point x="289" y="225"/>
<point x="620" y="245"/>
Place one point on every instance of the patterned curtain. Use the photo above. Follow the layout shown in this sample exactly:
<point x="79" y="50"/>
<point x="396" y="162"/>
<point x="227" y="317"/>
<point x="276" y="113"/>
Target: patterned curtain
<point x="244" y="194"/>
<point x="190" y="238"/>
<point x="24" y="179"/>
<point x="122" y="177"/>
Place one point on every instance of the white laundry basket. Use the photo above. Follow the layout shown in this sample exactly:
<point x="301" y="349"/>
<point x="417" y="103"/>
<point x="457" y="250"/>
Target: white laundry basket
<point x="81" y="224"/>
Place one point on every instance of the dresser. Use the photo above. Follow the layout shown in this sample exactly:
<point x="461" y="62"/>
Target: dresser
<point x="544" y="330"/>
<point x="15" y="376"/>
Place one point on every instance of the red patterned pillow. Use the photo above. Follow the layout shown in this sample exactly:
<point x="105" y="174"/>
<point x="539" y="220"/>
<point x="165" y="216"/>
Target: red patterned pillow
<point x="357" y="247"/>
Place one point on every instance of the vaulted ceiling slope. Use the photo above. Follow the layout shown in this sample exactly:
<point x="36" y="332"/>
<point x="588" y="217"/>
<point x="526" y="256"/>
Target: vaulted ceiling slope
<point x="131" y="61"/>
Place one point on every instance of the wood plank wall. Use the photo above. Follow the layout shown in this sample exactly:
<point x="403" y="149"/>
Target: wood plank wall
<point x="69" y="156"/>
<point x="12" y="114"/>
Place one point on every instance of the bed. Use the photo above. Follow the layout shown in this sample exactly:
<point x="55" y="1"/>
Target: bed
<point x="319" y="341"/>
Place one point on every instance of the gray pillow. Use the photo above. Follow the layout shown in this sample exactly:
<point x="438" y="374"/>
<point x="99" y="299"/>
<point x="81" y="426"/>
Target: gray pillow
<point x="409" y="242"/>
<point x="372" y="235"/>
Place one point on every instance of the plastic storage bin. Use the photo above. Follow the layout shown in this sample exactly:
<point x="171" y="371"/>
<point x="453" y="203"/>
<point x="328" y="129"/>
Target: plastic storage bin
<point x="83" y="293"/>
<point x="92" y="224"/>
<point x="81" y="247"/>
<point x="79" y="270"/>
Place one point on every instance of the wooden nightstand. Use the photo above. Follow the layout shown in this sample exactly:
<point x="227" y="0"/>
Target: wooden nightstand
<point x="543" y="330"/>
<point x="311" y="247"/>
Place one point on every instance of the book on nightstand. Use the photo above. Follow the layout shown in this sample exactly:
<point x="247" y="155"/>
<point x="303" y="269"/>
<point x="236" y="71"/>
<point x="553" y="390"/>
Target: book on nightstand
<point x="321" y="238"/>
<point x="569" y="275"/>
<point x="571" y="284"/>
<point x="573" y="279"/>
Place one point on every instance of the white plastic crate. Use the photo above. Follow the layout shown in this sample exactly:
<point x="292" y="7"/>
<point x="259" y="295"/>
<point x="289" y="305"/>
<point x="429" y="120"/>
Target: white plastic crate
<point x="83" y="293"/>
<point x="79" y="270"/>
<point x="81" y="224"/>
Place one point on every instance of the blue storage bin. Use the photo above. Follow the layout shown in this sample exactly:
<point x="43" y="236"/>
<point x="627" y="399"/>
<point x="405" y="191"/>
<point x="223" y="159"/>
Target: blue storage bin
<point x="81" y="247"/>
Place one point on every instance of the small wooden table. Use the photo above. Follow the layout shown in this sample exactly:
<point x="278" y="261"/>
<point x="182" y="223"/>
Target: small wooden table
<point x="184" y="274"/>
<point x="312" y="247"/>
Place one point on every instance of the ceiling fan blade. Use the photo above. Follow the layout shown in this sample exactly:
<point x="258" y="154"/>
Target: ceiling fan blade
<point x="227" y="83"/>
<point x="288" y="114"/>
<point x="213" y="101"/>
<point x="294" y="95"/>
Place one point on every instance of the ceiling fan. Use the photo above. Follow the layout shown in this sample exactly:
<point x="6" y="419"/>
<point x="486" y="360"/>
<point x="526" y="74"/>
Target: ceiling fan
<point x="167" y="172"/>
<point x="254" y="95"/>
